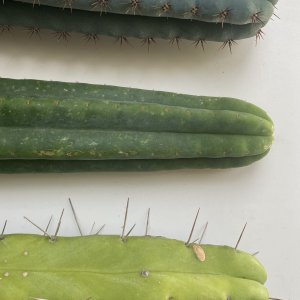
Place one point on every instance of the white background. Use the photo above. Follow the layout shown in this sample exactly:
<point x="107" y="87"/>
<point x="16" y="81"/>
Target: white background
<point x="266" y="194"/>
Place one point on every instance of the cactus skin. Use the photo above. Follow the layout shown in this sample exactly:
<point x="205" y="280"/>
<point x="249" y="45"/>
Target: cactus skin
<point x="240" y="12"/>
<point x="11" y="166"/>
<point x="119" y="26"/>
<point x="52" y="121"/>
<point x="107" y="267"/>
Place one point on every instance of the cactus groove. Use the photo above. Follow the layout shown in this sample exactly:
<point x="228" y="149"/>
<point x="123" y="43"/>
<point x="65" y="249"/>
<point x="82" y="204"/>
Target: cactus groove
<point x="107" y="267"/>
<point x="147" y="20"/>
<point x="56" y="126"/>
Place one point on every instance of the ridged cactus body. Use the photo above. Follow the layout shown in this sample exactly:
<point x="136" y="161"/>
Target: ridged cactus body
<point x="234" y="11"/>
<point x="198" y="21"/>
<point x="56" y="126"/>
<point x="108" y="267"/>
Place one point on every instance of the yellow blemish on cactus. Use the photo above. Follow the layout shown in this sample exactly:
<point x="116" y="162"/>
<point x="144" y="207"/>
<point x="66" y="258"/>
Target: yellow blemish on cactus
<point x="25" y="253"/>
<point x="198" y="250"/>
<point x="6" y="274"/>
<point x="46" y="153"/>
<point x="25" y="274"/>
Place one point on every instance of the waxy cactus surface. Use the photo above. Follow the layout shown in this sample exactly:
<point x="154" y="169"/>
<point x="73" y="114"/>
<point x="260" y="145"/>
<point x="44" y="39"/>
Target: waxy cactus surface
<point x="65" y="127"/>
<point x="110" y="268"/>
<point x="198" y="21"/>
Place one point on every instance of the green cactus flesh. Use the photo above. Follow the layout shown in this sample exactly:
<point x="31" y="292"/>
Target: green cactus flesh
<point x="147" y="28"/>
<point x="234" y="11"/>
<point x="47" y="124"/>
<point x="109" y="268"/>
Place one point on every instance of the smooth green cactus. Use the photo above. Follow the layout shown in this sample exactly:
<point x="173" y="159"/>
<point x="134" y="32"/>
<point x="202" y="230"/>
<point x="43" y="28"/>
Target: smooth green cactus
<point x="53" y="126"/>
<point x="110" y="268"/>
<point x="211" y="21"/>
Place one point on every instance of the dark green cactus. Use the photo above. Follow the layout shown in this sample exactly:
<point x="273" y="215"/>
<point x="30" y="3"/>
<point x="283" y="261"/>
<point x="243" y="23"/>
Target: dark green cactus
<point x="212" y="21"/>
<point x="56" y="126"/>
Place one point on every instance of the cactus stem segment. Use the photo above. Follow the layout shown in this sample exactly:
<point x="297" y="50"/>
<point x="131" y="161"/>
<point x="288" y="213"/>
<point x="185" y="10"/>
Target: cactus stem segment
<point x="75" y="217"/>
<point x="240" y="237"/>
<point x="193" y="227"/>
<point x="147" y="222"/>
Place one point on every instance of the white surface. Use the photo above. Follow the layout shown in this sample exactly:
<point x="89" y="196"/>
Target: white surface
<point x="266" y="194"/>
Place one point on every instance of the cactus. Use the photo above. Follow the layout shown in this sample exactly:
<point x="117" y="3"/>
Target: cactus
<point x="106" y="267"/>
<point x="146" y="20"/>
<point x="237" y="12"/>
<point x="124" y="267"/>
<point x="52" y="126"/>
